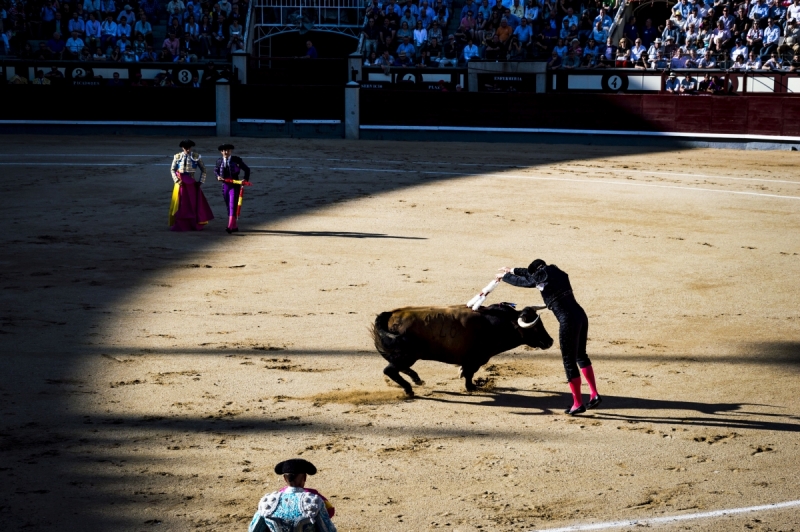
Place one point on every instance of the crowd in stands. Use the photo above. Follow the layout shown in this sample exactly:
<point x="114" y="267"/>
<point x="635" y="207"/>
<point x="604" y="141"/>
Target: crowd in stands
<point x="736" y="34"/>
<point x="115" y="31"/>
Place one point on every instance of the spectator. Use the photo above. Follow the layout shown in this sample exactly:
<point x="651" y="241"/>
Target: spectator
<point x="753" y="62"/>
<point x="139" y="46"/>
<point x="655" y="48"/>
<point x="772" y="35"/>
<point x="494" y="49"/>
<point x="471" y="52"/>
<point x="605" y="21"/>
<point x="420" y="36"/>
<point x="123" y="28"/>
<point x="127" y="14"/>
<point x="219" y="34"/>
<point x="42" y="53"/>
<point x="739" y="49"/>
<point x="673" y="85"/>
<point x="371" y="59"/>
<point x="793" y="12"/>
<point x="637" y="50"/>
<point x="710" y="84"/>
<point x="794" y="66"/>
<point x="693" y="61"/>
<point x="177" y="28"/>
<point x="385" y="61"/>
<point x="403" y="32"/>
<point x="409" y="19"/>
<point x="688" y="84"/>
<point x="76" y="25"/>
<point x="721" y="38"/>
<point x="649" y="34"/>
<point x="116" y="55"/>
<point x="573" y="59"/>
<point x="671" y="31"/>
<point x="571" y="18"/>
<point x="39" y="79"/>
<point x="403" y="60"/>
<point x="532" y="12"/>
<point x="206" y="41"/>
<point x="659" y="62"/>
<point x="759" y="13"/>
<point x="504" y="32"/>
<point x="739" y="64"/>
<point x="115" y="81"/>
<point x="370" y="33"/>
<point x="58" y="25"/>
<point x="599" y="33"/>
<point x="435" y="32"/>
<point x="630" y="31"/>
<point x="524" y="35"/>
<point x="407" y="48"/>
<point x="144" y="28"/>
<point x="555" y="62"/>
<point x="755" y="38"/>
<point x="683" y="7"/>
<point x="624" y="59"/>
<point x="311" y="52"/>
<point x="172" y="45"/>
<point x="74" y="45"/>
<point x="792" y="37"/>
<point x="435" y="52"/>
<point x="561" y="49"/>
<point x="150" y="8"/>
<point x="773" y="63"/>
<point x="450" y="52"/>
<point x="55" y="75"/>
<point x="175" y="9"/>
<point x="707" y="61"/>
<point x="590" y="54"/>
<point x="108" y="32"/>
<point x="56" y="46"/>
<point x="108" y="8"/>
<point x="93" y="31"/>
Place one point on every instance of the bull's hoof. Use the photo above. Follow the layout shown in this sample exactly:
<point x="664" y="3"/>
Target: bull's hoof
<point x="419" y="382"/>
<point x="409" y="393"/>
<point x="471" y="387"/>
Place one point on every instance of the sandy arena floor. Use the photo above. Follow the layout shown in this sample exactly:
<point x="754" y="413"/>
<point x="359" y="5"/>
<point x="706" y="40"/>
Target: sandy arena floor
<point x="151" y="380"/>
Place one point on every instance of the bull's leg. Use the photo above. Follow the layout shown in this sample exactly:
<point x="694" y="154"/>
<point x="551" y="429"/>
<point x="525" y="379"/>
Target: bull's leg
<point x="468" y="373"/>
<point x="413" y="374"/>
<point x="393" y="373"/>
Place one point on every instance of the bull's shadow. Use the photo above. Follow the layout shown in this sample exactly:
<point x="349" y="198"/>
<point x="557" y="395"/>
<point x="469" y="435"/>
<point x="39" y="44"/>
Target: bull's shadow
<point x="546" y="402"/>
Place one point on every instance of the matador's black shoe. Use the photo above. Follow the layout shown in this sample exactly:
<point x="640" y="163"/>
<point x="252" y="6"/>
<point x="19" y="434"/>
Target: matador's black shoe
<point x="228" y="230"/>
<point x="575" y="411"/>
<point x="593" y="403"/>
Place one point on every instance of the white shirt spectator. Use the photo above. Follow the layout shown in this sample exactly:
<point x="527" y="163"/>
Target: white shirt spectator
<point x="91" y="6"/>
<point x="176" y="7"/>
<point x="600" y="35"/>
<point x="93" y="29"/>
<point x="673" y="84"/>
<point x="129" y="15"/>
<point x="532" y="13"/>
<point x="471" y="51"/>
<point x="637" y="51"/>
<point x="688" y="84"/>
<point x="109" y="28"/>
<point x="793" y="12"/>
<point x="420" y="37"/>
<point x="143" y="27"/>
<point x="738" y="50"/>
<point x="192" y="29"/>
<point x="123" y="29"/>
<point x="753" y="64"/>
<point x="225" y="6"/>
<point x="75" y="45"/>
<point x="772" y="34"/>
<point x="572" y="21"/>
<point x="706" y="62"/>
<point x="77" y="25"/>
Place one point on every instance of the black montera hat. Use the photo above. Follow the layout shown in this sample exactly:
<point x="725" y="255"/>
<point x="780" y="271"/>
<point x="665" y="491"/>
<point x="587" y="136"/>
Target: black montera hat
<point x="295" y="466"/>
<point x="188" y="143"/>
<point x="535" y="265"/>
<point x="225" y="147"/>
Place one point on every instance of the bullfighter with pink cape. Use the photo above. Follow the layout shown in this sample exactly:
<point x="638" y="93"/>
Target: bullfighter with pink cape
<point x="189" y="210"/>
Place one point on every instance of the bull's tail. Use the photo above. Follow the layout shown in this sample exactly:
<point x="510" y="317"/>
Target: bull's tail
<point x="391" y="346"/>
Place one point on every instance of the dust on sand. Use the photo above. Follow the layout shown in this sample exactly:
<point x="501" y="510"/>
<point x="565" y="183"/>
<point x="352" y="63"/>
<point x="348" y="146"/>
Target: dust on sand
<point x="153" y="379"/>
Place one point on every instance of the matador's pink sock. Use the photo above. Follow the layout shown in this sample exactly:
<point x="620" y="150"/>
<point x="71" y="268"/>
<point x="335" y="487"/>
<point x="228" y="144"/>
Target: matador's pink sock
<point x="231" y="222"/>
<point x="575" y="388"/>
<point x="588" y="372"/>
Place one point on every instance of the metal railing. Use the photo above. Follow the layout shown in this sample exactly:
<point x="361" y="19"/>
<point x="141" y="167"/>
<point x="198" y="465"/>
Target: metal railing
<point x="280" y="16"/>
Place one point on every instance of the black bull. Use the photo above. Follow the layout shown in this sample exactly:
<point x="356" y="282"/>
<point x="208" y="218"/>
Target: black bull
<point x="453" y="335"/>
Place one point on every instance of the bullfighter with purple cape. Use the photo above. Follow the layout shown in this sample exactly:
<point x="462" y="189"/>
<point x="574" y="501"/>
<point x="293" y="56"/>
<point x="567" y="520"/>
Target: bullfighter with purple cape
<point x="189" y="210"/>
<point x="227" y="170"/>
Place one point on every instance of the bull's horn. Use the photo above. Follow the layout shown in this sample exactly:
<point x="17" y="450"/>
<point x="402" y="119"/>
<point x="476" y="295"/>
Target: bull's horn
<point x="538" y="307"/>
<point x="526" y="325"/>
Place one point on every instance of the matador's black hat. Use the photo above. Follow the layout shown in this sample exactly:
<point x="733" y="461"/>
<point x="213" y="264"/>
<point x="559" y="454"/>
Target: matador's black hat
<point x="188" y="143"/>
<point x="535" y="265"/>
<point x="226" y="147"/>
<point x="295" y="466"/>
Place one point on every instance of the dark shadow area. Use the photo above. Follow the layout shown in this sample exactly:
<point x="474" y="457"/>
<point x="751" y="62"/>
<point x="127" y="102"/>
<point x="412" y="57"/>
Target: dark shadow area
<point x="335" y="234"/>
<point x="725" y="415"/>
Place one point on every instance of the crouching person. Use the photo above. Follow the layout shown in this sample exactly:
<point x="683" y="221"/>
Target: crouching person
<point x="294" y="507"/>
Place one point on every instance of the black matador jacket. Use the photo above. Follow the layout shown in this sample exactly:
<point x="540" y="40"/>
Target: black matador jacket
<point x="233" y="170"/>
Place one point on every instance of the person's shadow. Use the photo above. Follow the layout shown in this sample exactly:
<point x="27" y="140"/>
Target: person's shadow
<point x="727" y="415"/>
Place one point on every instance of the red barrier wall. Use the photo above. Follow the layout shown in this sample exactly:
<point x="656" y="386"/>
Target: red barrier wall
<point x="739" y="115"/>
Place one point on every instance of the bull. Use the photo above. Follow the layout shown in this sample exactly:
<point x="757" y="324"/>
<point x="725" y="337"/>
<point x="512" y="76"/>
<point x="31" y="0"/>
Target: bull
<point x="453" y="335"/>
